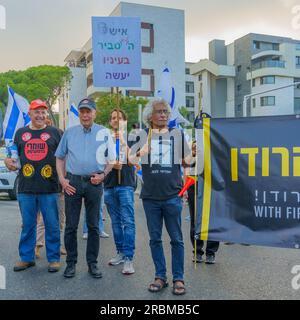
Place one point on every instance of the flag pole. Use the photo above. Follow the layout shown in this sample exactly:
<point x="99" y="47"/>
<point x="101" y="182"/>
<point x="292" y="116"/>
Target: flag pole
<point x="118" y="139"/>
<point x="196" y="184"/>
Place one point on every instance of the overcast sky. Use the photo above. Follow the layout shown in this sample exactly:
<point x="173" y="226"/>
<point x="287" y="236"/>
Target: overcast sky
<point x="43" y="31"/>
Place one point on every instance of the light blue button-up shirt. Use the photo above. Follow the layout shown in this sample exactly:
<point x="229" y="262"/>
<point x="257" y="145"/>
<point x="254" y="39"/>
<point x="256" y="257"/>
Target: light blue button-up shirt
<point x="86" y="151"/>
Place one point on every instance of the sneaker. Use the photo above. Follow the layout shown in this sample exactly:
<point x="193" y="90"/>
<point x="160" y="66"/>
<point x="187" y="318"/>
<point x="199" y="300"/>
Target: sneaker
<point x="104" y="235"/>
<point x="85" y="236"/>
<point x="128" y="267"/>
<point x="199" y="258"/>
<point x="210" y="259"/>
<point x="119" y="258"/>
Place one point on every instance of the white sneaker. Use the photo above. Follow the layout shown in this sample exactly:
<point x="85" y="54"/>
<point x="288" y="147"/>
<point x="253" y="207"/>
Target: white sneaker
<point x="128" y="267"/>
<point x="118" y="259"/>
<point x="85" y="236"/>
<point x="104" y="235"/>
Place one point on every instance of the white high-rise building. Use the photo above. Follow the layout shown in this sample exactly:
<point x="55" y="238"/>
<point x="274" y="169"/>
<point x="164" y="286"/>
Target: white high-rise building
<point x="253" y="76"/>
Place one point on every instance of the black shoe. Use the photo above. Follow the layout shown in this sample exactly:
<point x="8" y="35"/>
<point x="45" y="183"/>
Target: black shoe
<point x="94" y="271"/>
<point x="70" y="271"/>
<point x="210" y="259"/>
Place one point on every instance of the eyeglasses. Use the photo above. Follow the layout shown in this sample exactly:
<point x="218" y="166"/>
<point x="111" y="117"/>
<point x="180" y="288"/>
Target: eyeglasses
<point x="163" y="111"/>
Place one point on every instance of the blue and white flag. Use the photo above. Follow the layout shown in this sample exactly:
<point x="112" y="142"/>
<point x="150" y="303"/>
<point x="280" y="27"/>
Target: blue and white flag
<point x="16" y="115"/>
<point x="73" y="116"/>
<point x="1" y="124"/>
<point x="167" y="92"/>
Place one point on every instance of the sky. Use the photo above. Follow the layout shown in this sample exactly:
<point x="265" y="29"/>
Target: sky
<point x="45" y="31"/>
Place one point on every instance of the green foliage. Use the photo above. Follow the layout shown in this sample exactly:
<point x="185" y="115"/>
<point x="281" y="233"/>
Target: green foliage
<point x="42" y="82"/>
<point x="107" y="102"/>
<point x="185" y="113"/>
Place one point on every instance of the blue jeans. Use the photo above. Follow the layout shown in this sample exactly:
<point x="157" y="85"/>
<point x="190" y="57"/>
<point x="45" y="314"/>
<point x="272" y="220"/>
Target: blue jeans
<point x="120" y="206"/>
<point x="101" y="224"/>
<point x="170" y="212"/>
<point x="30" y="204"/>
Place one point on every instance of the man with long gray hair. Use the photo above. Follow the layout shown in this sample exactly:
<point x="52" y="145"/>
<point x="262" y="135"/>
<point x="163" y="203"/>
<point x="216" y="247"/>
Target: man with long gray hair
<point x="162" y="151"/>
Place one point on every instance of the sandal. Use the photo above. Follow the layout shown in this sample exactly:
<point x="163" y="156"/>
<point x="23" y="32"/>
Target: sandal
<point x="158" y="285"/>
<point x="178" y="288"/>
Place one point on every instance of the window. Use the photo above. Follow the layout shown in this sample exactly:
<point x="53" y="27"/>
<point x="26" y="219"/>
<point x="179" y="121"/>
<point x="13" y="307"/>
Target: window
<point x="187" y="71"/>
<point x="239" y="111"/>
<point x="297" y="46"/>
<point x="267" y="101"/>
<point x="298" y="61"/>
<point x="275" y="46"/>
<point x="190" y="102"/>
<point x="253" y="82"/>
<point x="297" y="106"/>
<point x="253" y="103"/>
<point x="200" y="77"/>
<point x="267" y="80"/>
<point x="298" y="85"/>
<point x="239" y="87"/>
<point x="256" y="44"/>
<point x="239" y="68"/>
<point x="189" y="87"/>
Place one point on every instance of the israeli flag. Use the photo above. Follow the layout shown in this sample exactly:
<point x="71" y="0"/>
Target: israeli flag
<point x="167" y="92"/>
<point x="16" y="115"/>
<point x="73" y="116"/>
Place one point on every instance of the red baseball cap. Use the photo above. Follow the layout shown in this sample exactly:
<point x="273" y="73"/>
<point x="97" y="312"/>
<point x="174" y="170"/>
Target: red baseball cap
<point x="37" y="104"/>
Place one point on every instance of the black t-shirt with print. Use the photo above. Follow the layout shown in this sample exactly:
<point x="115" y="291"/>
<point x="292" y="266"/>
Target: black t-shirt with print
<point x="36" y="150"/>
<point x="162" y="174"/>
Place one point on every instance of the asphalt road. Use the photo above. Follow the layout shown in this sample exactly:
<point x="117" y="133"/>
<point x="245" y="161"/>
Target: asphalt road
<point x="240" y="272"/>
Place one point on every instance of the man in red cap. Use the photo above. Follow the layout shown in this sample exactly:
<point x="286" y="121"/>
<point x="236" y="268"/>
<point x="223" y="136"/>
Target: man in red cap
<point x="38" y="186"/>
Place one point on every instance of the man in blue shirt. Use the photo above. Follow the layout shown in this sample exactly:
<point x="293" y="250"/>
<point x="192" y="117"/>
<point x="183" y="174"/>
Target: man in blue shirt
<point x="84" y="157"/>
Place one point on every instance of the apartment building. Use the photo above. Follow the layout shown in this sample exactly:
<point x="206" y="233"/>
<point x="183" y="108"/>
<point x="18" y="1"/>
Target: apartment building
<point x="163" y="44"/>
<point x="253" y="76"/>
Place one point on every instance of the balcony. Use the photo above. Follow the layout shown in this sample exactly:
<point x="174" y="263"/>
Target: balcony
<point x="268" y="64"/>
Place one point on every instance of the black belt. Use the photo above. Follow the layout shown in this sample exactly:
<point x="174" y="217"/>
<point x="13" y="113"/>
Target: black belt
<point x="82" y="178"/>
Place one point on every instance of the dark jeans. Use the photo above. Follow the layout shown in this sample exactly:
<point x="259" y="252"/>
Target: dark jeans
<point x="211" y="246"/>
<point x="168" y="211"/>
<point x="92" y="199"/>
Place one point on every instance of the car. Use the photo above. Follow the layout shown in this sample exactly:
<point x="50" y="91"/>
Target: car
<point x="8" y="179"/>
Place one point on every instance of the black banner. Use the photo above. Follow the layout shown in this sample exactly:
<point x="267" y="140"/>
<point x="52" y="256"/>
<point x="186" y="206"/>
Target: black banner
<point x="251" y="189"/>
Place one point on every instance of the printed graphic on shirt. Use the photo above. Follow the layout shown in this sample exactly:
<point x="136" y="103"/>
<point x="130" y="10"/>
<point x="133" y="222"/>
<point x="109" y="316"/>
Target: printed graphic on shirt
<point x="161" y="153"/>
<point x="28" y="170"/>
<point x="46" y="171"/>
<point x="26" y="136"/>
<point x="36" y="150"/>
<point x="45" y="136"/>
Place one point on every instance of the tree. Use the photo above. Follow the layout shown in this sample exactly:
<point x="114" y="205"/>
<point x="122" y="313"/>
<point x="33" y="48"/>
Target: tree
<point x="42" y="82"/>
<point x="107" y="102"/>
